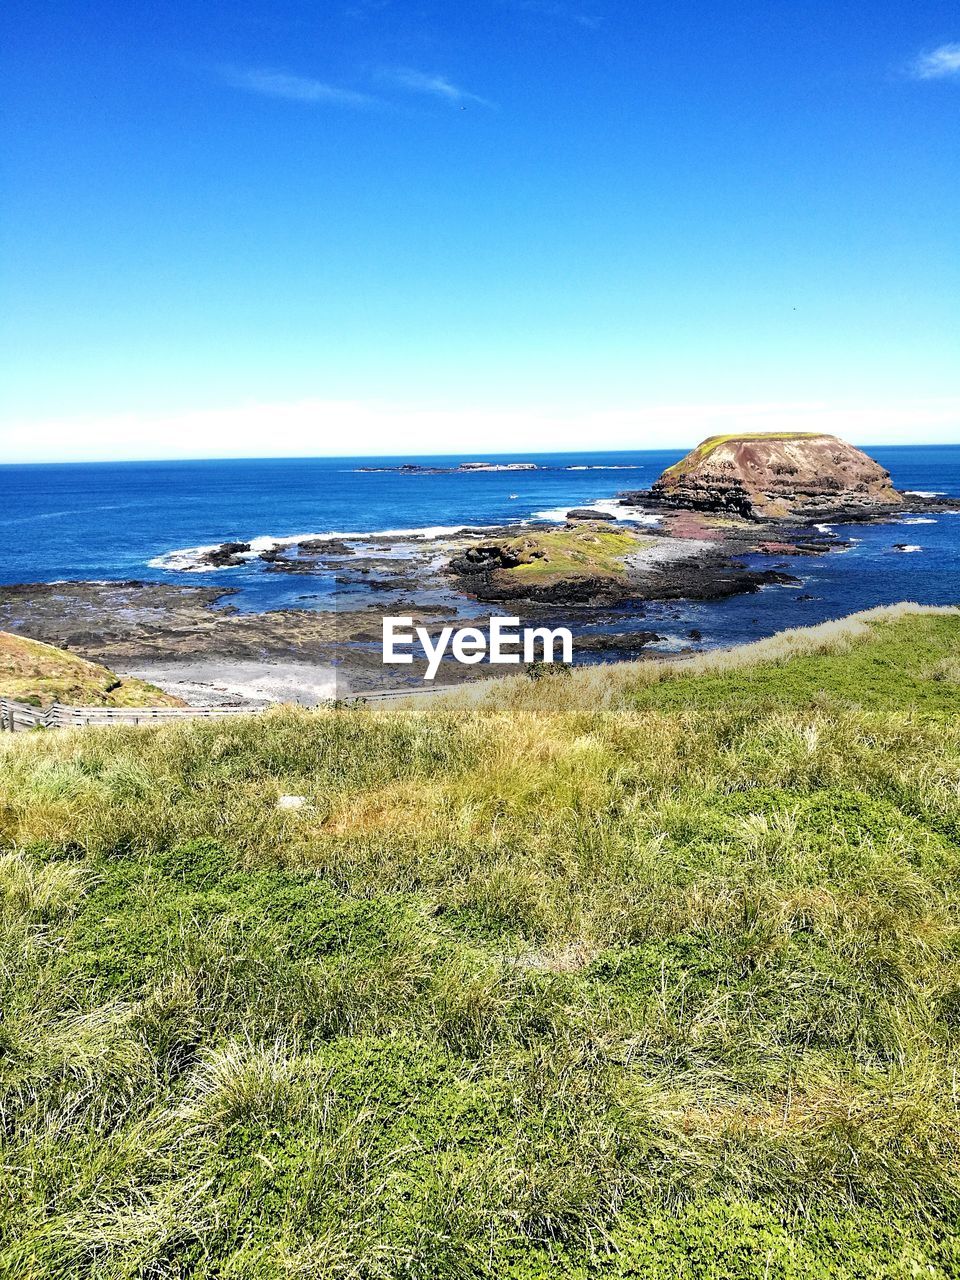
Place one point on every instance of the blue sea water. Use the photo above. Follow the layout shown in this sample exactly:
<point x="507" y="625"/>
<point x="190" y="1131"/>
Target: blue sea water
<point x="116" y="521"/>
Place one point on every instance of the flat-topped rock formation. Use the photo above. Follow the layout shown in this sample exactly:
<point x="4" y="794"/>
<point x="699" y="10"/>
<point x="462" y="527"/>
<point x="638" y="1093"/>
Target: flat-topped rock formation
<point x="775" y="475"/>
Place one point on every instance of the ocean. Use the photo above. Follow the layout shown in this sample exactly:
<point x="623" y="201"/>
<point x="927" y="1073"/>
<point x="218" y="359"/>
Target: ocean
<point x="122" y="521"/>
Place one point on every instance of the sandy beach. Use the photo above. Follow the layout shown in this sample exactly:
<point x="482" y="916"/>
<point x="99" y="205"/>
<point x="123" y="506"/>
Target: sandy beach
<point x="214" y="682"/>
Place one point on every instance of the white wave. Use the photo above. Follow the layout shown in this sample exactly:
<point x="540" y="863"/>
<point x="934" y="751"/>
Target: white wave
<point x="632" y="466"/>
<point x="917" y="520"/>
<point x="607" y="505"/>
<point x="421" y="531"/>
<point x="908" y="548"/>
<point x="624" y="513"/>
<point x="190" y="559"/>
<point x="824" y="528"/>
<point x="552" y="513"/>
<point x="852" y="544"/>
<point x="185" y="560"/>
<point x="926" y="493"/>
<point x="268" y="543"/>
<point x="671" y="644"/>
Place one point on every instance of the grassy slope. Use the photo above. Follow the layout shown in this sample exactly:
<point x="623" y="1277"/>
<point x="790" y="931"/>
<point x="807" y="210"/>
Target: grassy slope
<point x="41" y="674"/>
<point x="625" y="974"/>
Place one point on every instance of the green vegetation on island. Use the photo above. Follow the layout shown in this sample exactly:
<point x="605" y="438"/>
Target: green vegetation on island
<point x="644" y="972"/>
<point x="586" y="561"/>
<point x="40" y="674"/>
<point x="574" y="550"/>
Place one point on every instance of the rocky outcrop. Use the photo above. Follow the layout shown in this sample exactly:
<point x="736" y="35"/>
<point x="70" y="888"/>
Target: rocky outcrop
<point x="581" y="564"/>
<point x="590" y="513"/>
<point x="576" y="567"/>
<point x="225" y="556"/>
<point x="778" y="475"/>
<point x="500" y="553"/>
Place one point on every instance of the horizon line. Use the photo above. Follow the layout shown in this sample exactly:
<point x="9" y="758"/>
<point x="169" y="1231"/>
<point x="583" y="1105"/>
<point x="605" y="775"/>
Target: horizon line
<point x="349" y="457"/>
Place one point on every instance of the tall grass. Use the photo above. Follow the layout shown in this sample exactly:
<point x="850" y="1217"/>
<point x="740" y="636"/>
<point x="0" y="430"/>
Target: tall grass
<point x="620" y="974"/>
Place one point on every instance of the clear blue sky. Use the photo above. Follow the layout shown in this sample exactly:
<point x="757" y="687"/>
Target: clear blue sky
<point x="432" y="211"/>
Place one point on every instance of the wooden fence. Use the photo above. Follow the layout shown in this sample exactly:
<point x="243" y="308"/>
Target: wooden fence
<point x="16" y="717"/>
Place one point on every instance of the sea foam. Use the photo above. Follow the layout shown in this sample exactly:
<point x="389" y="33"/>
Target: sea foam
<point x="191" y="559"/>
<point x="607" y="505"/>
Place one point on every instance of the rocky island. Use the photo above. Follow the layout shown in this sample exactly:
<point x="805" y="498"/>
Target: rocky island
<point x="777" y="475"/>
<point x="462" y="468"/>
<point x="590" y="565"/>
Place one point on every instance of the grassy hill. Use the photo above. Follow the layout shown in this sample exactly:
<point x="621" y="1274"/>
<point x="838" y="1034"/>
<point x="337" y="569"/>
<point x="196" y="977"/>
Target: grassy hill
<point x="40" y="674"/>
<point x="634" y="973"/>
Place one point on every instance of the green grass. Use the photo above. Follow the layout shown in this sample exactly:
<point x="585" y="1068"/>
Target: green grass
<point x="41" y="674"/>
<point x="577" y="550"/>
<point x="638" y="974"/>
<point x="917" y="666"/>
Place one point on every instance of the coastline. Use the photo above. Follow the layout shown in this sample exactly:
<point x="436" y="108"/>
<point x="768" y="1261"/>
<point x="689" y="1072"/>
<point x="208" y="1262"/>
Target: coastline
<point x="260" y="685"/>
<point x="269" y="618"/>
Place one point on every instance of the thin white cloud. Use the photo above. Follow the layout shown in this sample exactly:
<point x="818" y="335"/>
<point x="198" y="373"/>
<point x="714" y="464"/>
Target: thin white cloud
<point x="552" y="9"/>
<point x="280" y="84"/>
<point x="435" y="86"/>
<point x="938" y="63"/>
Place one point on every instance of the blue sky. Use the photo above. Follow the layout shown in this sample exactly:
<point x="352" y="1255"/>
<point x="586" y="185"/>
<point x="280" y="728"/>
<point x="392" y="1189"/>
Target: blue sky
<point x="233" y="226"/>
